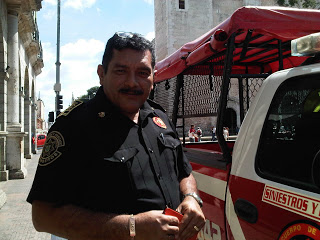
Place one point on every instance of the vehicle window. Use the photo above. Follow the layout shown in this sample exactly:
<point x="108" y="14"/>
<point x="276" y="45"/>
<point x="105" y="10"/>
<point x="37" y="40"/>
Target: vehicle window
<point x="290" y="137"/>
<point x="41" y="137"/>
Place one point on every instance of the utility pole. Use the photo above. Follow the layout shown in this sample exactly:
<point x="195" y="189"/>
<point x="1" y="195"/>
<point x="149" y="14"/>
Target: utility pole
<point x="57" y="86"/>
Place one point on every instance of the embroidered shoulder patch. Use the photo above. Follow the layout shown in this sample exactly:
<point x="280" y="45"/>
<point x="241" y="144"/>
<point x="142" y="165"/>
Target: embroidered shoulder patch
<point x="50" y="150"/>
<point x="74" y="105"/>
<point x="158" y="121"/>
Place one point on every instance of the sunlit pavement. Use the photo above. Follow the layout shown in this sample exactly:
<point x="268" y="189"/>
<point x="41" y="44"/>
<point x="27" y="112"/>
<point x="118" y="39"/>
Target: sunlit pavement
<point x="15" y="215"/>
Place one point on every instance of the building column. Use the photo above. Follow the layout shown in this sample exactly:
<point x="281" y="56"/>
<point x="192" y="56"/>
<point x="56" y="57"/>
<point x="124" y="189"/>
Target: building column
<point x="3" y="198"/>
<point x="15" y="147"/>
<point x="27" y="128"/>
<point x="4" y="173"/>
<point x="34" y="125"/>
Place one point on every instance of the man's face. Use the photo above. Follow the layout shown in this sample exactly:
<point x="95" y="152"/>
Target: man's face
<point x="128" y="80"/>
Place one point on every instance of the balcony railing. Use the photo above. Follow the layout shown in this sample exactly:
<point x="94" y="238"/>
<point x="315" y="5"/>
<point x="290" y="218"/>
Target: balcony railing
<point x="36" y="35"/>
<point x="40" y="54"/>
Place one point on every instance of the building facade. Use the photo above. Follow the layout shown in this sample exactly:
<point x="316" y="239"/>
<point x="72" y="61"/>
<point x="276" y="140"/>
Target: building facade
<point x="20" y="63"/>
<point x="42" y="125"/>
<point x="181" y="21"/>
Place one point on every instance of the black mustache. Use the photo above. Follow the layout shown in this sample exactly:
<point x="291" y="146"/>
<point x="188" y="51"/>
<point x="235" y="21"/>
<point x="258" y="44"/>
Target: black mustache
<point x="132" y="91"/>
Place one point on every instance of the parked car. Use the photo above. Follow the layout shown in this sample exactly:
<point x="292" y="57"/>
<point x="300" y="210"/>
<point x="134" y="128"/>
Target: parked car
<point x="41" y="138"/>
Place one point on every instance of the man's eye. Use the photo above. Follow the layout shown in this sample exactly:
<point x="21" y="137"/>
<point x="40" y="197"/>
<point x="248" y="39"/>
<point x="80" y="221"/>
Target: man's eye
<point x="119" y="71"/>
<point x="144" y="74"/>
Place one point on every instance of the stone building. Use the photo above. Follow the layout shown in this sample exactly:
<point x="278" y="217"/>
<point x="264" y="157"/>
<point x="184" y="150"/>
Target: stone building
<point x="20" y="63"/>
<point x="181" y="21"/>
<point x="42" y="126"/>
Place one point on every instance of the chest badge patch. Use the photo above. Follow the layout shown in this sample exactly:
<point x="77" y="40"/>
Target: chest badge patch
<point x="50" y="150"/>
<point x="101" y="114"/>
<point x="158" y="121"/>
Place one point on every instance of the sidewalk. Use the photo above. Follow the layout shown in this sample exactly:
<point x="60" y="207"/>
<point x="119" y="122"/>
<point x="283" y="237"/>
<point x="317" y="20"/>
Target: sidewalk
<point x="15" y="215"/>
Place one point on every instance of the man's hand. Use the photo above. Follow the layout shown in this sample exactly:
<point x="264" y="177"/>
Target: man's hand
<point x="193" y="218"/>
<point x="156" y="225"/>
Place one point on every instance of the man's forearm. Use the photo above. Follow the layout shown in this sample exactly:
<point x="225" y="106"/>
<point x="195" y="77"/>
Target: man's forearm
<point x="188" y="185"/>
<point x="76" y="223"/>
<point x="191" y="209"/>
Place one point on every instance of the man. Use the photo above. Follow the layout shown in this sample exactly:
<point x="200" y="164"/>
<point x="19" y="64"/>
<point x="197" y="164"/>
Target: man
<point x="199" y="134"/>
<point x="91" y="185"/>
<point x="213" y="131"/>
<point x="192" y="133"/>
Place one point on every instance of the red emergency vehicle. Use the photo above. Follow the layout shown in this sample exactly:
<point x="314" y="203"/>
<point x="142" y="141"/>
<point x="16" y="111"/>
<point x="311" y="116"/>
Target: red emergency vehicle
<point x="266" y="184"/>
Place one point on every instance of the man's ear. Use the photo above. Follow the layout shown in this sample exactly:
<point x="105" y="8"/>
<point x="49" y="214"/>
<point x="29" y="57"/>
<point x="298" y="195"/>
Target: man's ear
<point x="100" y="72"/>
<point x="153" y="84"/>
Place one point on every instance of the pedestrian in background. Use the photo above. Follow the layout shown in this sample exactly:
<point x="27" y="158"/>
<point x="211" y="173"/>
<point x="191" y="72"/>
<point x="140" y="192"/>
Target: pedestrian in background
<point x="213" y="131"/>
<point x="33" y="139"/>
<point x="225" y="133"/>
<point x="116" y="188"/>
<point x="192" y="133"/>
<point x="199" y="134"/>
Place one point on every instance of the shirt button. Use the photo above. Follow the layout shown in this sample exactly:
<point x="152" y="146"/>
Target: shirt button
<point x="150" y="150"/>
<point x="122" y="159"/>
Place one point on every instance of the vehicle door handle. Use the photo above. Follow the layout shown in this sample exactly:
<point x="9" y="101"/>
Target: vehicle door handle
<point x="246" y="210"/>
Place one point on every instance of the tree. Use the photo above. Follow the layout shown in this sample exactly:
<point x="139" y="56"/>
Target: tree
<point x="90" y="94"/>
<point x="299" y="3"/>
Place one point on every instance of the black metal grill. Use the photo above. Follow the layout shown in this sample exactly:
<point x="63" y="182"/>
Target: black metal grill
<point x="201" y="91"/>
<point x="251" y="87"/>
<point x="164" y="94"/>
<point x="199" y="100"/>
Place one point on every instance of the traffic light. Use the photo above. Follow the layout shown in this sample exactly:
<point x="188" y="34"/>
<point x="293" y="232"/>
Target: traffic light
<point x="59" y="102"/>
<point x="51" y="117"/>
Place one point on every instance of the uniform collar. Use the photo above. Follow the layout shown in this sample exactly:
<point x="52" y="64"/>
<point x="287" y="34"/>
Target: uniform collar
<point x="102" y="104"/>
<point x="145" y="111"/>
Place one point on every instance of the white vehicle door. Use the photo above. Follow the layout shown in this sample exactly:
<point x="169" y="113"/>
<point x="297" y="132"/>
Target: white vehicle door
<point x="274" y="188"/>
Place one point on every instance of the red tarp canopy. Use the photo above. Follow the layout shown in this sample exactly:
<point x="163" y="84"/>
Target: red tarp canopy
<point x="267" y="24"/>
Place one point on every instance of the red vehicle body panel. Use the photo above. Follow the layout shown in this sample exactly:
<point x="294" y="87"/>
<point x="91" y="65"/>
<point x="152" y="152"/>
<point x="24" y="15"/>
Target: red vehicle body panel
<point x="213" y="207"/>
<point x="272" y="219"/>
<point x="211" y="146"/>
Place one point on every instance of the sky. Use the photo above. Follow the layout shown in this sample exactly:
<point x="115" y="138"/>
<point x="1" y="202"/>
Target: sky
<point x="85" y="27"/>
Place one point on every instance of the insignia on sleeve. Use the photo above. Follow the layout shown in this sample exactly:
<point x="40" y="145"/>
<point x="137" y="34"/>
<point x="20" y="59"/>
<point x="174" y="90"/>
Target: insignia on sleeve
<point x="158" y="121"/>
<point x="50" y="150"/>
<point x="75" y="104"/>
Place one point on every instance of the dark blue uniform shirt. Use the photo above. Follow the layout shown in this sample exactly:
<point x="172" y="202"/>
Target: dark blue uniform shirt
<point x="95" y="157"/>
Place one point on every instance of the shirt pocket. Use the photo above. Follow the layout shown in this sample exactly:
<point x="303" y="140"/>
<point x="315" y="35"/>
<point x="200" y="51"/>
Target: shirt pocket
<point x="122" y="155"/>
<point x="169" y="149"/>
<point x="118" y="174"/>
<point x="119" y="165"/>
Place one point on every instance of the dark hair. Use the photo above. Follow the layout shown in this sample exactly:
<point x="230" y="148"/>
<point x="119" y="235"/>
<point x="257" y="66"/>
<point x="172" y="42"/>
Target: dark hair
<point x="133" y="41"/>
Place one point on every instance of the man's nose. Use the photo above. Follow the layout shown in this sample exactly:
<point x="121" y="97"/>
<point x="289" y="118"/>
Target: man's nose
<point x="132" y="80"/>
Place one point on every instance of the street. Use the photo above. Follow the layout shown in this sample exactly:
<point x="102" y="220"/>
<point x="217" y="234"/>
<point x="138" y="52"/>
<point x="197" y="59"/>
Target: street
<point x="15" y="215"/>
